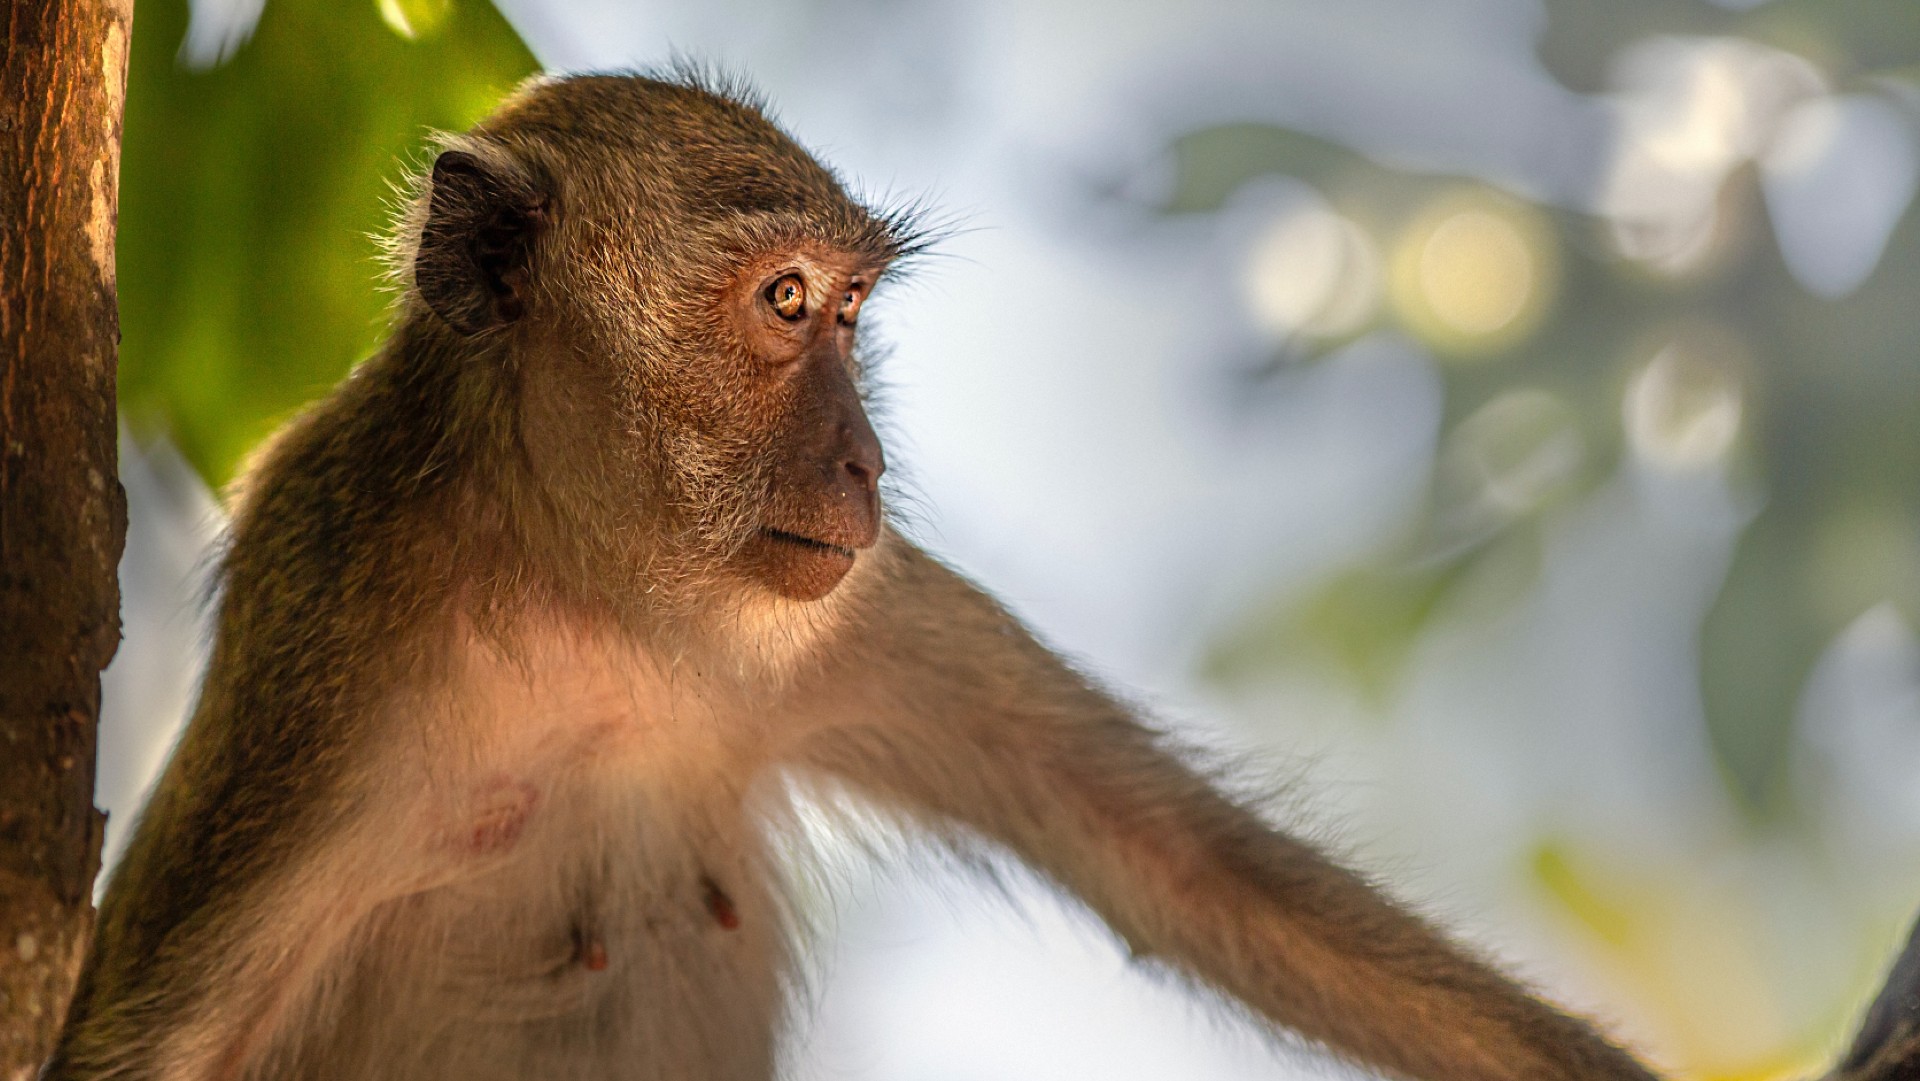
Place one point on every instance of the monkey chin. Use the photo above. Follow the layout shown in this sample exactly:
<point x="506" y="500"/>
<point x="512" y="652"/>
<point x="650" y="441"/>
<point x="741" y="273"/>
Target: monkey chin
<point x="796" y="567"/>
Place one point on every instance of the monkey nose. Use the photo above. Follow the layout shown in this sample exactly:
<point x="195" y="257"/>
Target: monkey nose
<point x="861" y="456"/>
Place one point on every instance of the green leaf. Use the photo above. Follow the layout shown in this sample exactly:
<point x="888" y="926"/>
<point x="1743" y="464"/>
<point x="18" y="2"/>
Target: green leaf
<point x="248" y="279"/>
<point x="413" y="19"/>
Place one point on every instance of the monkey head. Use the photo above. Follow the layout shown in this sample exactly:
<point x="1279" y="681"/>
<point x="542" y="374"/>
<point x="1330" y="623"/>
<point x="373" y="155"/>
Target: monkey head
<point x="660" y="292"/>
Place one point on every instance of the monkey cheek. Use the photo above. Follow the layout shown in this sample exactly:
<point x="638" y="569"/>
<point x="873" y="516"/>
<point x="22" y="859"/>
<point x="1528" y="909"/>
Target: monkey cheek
<point x="798" y="574"/>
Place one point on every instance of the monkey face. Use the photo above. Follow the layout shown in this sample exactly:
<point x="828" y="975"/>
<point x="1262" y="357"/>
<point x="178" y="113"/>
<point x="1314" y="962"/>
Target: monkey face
<point x="742" y="418"/>
<point x="735" y="444"/>
<point x="794" y="316"/>
<point x="675" y="288"/>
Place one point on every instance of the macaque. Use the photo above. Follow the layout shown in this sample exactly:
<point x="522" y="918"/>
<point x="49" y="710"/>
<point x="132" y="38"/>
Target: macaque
<point x="530" y="630"/>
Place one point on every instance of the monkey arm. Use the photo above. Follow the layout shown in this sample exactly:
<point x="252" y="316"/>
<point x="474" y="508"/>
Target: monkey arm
<point x="215" y="931"/>
<point x="292" y="806"/>
<point x="957" y="710"/>
<point x="260" y="854"/>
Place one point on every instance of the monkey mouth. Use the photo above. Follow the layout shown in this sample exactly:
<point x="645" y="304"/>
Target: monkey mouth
<point x="797" y="566"/>
<point x="796" y="539"/>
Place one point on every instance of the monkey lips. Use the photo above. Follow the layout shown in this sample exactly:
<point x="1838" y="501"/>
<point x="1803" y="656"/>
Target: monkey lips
<point x="796" y="566"/>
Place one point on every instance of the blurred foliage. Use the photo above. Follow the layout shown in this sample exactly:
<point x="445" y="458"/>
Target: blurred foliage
<point x="1847" y="37"/>
<point x="250" y="191"/>
<point x="1557" y="870"/>
<point x="1821" y="422"/>
<point x="1367" y="619"/>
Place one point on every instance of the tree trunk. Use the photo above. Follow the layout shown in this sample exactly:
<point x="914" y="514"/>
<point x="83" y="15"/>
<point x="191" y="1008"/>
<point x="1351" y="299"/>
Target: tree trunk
<point x="63" y="70"/>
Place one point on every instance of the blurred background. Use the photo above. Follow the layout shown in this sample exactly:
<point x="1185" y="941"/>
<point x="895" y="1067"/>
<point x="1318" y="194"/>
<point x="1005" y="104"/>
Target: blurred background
<point x="1497" y="417"/>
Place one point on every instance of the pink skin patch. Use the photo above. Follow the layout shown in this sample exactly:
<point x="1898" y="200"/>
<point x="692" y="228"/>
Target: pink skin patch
<point x="500" y="815"/>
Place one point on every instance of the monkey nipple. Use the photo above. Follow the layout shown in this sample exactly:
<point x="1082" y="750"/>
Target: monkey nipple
<point x="720" y="906"/>
<point x="589" y="951"/>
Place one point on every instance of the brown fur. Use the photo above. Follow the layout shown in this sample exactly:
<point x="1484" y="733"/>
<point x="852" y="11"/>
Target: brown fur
<point x="510" y="673"/>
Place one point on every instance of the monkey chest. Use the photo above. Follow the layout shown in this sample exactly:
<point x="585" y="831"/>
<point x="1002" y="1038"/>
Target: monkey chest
<point x="640" y="941"/>
<point x="602" y="907"/>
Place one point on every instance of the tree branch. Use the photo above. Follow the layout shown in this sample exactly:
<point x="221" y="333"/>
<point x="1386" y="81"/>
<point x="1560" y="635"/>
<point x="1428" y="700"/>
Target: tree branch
<point x="63" y="68"/>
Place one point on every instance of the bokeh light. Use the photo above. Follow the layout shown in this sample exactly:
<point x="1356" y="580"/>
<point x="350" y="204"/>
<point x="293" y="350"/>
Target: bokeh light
<point x="1313" y="272"/>
<point x="1682" y="408"/>
<point x="1516" y="452"/>
<point x="1474" y="272"/>
<point x="1688" y="111"/>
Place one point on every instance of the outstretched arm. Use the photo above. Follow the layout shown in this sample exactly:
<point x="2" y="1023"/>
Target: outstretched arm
<point x="947" y="706"/>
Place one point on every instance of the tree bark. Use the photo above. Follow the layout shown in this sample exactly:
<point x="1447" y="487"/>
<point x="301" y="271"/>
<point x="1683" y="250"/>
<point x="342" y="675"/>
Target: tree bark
<point x="63" y="67"/>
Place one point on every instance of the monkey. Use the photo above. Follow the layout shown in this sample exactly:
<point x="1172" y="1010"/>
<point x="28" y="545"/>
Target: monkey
<point x="530" y="629"/>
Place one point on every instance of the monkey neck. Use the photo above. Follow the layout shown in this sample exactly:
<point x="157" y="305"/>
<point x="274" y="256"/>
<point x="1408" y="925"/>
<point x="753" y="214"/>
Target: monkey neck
<point x="518" y="540"/>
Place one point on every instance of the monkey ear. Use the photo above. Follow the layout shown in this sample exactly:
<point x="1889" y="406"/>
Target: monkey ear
<point x="473" y="266"/>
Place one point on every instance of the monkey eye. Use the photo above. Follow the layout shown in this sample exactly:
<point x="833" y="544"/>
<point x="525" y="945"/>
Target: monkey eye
<point x="788" y="295"/>
<point x="850" y="303"/>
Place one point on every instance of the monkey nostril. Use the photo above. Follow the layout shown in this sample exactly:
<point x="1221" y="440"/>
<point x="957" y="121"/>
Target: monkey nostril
<point x="863" y="460"/>
<point x="866" y="462"/>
